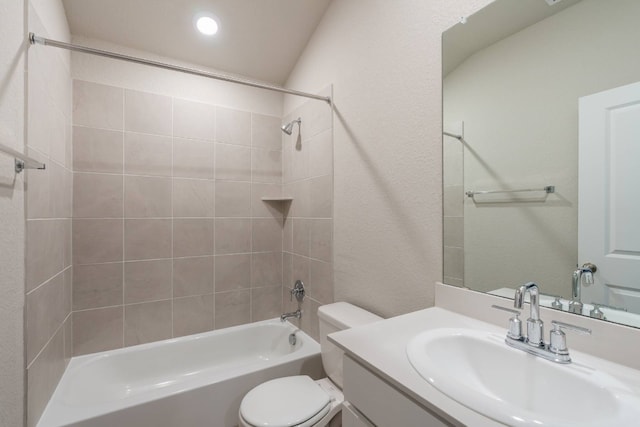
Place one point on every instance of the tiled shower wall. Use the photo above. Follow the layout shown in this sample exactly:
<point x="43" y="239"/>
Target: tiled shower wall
<point x="170" y="235"/>
<point x="308" y="225"/>
<point x="48" y="225"/>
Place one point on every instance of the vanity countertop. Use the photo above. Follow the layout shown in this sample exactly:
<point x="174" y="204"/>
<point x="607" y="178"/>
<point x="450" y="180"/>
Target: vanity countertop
<point x="381" y="347"/>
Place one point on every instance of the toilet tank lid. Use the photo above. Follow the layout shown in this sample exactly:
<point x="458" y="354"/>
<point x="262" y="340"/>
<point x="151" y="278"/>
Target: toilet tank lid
<point x="344" y="315"/>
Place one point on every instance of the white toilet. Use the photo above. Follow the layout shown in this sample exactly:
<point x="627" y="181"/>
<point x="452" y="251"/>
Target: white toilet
<point x="299" y="401"/>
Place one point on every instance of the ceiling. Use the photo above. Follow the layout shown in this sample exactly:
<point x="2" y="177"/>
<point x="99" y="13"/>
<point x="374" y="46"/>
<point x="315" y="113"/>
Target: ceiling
<point x="260" y="39"/>
<point x="491" y="24"/>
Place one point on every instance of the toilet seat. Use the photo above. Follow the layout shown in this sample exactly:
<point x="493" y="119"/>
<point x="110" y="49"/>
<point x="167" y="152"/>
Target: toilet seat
<point x="296" y="401"/>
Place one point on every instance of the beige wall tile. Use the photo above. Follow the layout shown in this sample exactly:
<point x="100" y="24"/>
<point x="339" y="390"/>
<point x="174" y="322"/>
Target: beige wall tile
<point x="192" y="315"/>
<point x="38" y="189"/>
<point x="193" y="198"/>
<point x="97" y="150"/>
<point x="46" y="309"/>
<point x="193" y="276"/>
<point x="267" y="235"/>
<point x="301" y="236"/>
<point x="287" y="271"/>
<point x="453" y="198"/>
<point x="67" y="240"/>
<point x="97" y="195"/>
<point x="287" y="235"/>
<point x="233" y="163"/>
<point x="454" y="262"/>
<point x="266" y="269"/>
<point x="68" y="338"/>
<point x="147" y="322"/>
<point x="147" y="197"/>
<point x="300" y="160"/>
<point x="300" y="269"/>
<point x="43" y="376"/>
<point x="97" y="240"/>
<point x="146" y="154"/>
<point x="147" y="113"/>
<point x="233" y="236"/>
<point x="266" y="166"/>
<point x="147" y="281"/>
<point x="233" y="126"/>
<point x="233" y="272"/>
<point x="97" y="330"/>
<point x="59" y="197"/>
<point x="193" y="120"/>
<point x="266" y="303"/>
<point x="300" y="191"/>
<point x="193" y="159"/>
<point x="321" y="197"/>
<point x="454" y="231"/>
<point x="233" y="199"/>
<point x="147" y="239"/>
<point x="261" y="208"/>
<point x="266" y="132"/>
<point x="192" y="237"/>
<point x="321" y="239"/>
<point x="44" y="250"/>
<point x="97" y="285"/>
<point x="232" y="308"/>
<point x="97" y="106"/>
<point x="321" y="281"/>
<point x="321" y="154"/>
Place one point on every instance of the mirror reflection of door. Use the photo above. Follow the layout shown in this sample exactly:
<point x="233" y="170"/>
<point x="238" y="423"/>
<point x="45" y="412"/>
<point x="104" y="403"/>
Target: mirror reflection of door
<point x="609" y="195"/>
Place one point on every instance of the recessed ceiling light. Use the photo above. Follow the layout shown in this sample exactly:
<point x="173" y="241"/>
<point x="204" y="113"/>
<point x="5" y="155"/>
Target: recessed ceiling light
<point x="206" y="25"/>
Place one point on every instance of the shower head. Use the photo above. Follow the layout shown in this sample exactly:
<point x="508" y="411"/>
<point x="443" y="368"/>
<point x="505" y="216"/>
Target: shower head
<point x="288" y="128"/>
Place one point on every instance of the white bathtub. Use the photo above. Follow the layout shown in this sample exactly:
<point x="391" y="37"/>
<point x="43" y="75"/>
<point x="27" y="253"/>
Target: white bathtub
<point x="196" y="381"/>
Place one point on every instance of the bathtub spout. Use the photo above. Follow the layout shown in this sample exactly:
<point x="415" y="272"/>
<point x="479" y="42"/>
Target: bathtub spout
<point x="297" y="314"/>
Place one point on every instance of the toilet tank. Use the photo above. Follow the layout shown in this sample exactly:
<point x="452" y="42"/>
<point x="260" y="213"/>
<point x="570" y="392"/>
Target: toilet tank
<point x="337" y="317"/>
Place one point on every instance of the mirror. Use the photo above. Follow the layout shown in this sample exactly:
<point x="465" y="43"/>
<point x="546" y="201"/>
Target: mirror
<point x="519" y="78"/>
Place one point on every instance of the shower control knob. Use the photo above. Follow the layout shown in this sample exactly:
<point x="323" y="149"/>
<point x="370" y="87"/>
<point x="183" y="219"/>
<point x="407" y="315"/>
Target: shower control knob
<point x="297" y="291"/>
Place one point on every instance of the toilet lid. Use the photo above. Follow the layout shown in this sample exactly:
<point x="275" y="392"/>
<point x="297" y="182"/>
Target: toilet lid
<point x="284" y="402"/>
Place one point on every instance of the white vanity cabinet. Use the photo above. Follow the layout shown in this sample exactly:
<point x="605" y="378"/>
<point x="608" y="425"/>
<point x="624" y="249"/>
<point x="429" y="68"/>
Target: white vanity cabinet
<point x="371" y="401"/>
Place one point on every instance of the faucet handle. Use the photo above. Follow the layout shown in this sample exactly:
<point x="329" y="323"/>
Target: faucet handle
<point x="515" y="324"/>
<point x="558" y="339"/>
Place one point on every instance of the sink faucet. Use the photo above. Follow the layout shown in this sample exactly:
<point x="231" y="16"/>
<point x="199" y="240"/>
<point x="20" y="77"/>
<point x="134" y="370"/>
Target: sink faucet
<point x="535" y="326"/>
<point x="533" y="343"/>
<point x="586" y="271"/>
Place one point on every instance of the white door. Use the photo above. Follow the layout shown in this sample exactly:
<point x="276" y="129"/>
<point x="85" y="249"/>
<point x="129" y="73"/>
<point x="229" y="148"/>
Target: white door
<point x="609" y="195"/>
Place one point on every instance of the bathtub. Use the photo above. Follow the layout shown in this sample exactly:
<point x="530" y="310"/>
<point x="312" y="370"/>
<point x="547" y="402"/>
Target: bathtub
<point x="198" y="380"/>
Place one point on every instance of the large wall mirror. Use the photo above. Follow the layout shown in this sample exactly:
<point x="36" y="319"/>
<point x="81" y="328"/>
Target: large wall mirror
<point x="541" y="120"/>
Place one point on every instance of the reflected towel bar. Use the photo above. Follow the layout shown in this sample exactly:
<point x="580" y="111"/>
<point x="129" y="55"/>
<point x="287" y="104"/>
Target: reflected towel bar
<point x="22" y="162"/>
<point x="548" y="189"/>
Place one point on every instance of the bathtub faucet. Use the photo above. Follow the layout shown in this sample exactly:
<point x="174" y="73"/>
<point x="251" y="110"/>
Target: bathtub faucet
<point x="297" y="314"/>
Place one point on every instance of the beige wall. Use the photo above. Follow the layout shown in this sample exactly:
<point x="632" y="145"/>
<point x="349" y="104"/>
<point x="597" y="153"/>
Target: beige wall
<point x="383" y="59"/>
<point x="12" y="122"/>
<point x="519" y="102"/>
<point x="48" y="210"/>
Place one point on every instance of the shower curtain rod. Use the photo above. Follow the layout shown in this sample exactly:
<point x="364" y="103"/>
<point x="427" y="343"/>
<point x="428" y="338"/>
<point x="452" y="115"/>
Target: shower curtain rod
<point x="34" y="39"/>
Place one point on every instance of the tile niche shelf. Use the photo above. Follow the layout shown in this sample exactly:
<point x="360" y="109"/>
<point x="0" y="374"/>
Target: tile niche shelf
<point x="283" y="199"/>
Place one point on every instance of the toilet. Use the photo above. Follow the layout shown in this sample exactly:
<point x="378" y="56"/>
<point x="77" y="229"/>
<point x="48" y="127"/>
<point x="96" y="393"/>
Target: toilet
<point x="299" y="401"/>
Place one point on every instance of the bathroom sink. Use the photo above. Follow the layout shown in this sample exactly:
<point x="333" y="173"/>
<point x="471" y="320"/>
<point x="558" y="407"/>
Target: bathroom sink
<point x="478" y="370"/>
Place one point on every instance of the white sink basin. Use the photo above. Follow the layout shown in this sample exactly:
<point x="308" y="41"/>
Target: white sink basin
<point x="478" y="370"/>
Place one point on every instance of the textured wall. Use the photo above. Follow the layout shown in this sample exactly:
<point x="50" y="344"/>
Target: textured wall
<point x="48" y="227"/>
<point x="12" y="121"/>
<point x="383" y="59"/>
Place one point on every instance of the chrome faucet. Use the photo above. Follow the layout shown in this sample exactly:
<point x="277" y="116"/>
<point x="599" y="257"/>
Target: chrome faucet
<point x="535" y="326"/>
<point x="297" y="314"/>
<point x="299" y="292"/>
<point x="586" y="271"/>
<point x="533" y="343"/>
